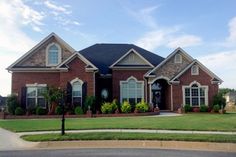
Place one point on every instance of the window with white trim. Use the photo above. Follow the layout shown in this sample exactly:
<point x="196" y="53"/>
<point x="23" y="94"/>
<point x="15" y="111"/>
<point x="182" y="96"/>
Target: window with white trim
<point x="195" y="95"/>
<point x="178" y="58"/>
<point x="194" y="70"/>
<point x="77" y="93"/>
<point x="34" y="96"/>
<point x="131" y="90"/>
<point x="53" y="54"/>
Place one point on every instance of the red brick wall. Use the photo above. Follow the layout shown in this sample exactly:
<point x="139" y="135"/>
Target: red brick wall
<point x="122" y="75"/>
<point x="203" y="78"/>
<point x="77" y="69"/>
<point x="20" y="79"/>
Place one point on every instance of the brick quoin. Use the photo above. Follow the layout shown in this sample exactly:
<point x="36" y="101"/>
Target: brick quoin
<point x="203" y="78"/>
<point x="123" y="75"/>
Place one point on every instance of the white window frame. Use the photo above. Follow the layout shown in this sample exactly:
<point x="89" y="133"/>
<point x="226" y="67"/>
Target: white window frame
<point x="81" y="88"/>
<point x="194" y="72"/>
<point x="199" y="96"/>
<point x="136" y="81"/>
<point x="176" y="58"/>
<point x="47" y="54"/>
<point x="36" y="85"/>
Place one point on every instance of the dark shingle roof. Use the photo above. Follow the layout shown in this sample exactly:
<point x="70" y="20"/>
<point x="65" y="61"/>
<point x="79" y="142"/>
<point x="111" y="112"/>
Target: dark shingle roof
<point x="104" y="55"/>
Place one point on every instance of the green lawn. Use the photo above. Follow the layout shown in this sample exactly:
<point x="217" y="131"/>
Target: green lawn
<point x="215" y="122"/>
<point x="131" y="136"/>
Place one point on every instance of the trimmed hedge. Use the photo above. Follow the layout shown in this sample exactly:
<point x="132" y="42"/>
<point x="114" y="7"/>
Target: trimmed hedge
<point x="41" y="111"/>
<point x="19" y="111"/>
<point x="78" y="110"/>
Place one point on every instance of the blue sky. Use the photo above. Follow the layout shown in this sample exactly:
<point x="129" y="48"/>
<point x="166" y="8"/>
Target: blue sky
<point x="206" y="29"/>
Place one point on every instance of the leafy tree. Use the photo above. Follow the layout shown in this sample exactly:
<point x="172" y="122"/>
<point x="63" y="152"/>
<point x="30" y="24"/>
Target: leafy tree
<point x="12" y="103"/>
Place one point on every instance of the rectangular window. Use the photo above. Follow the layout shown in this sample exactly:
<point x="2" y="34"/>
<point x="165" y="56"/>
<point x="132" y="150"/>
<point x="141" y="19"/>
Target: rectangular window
<point x="34" y="96"/>
<point x="195" y="96"/>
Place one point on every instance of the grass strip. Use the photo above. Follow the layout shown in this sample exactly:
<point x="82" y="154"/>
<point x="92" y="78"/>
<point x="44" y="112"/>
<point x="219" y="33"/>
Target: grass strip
<point x="206" y="122"/>
<point x="131" y="136"/>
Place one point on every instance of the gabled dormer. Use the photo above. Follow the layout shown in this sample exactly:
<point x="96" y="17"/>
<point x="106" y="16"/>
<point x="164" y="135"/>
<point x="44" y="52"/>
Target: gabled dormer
<point x="131" y="59"/>
<point x="46" y="55"/>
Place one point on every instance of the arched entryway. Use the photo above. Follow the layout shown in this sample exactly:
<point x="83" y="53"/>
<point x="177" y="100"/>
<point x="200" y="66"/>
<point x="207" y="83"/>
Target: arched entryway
<point x="160" y="94"/>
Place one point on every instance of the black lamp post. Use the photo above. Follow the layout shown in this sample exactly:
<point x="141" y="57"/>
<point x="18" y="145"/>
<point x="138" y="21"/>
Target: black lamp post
<point x="63" y="115"/>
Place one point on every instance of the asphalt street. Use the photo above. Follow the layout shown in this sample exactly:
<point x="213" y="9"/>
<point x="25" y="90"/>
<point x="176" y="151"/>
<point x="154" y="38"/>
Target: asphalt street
<point x="114" y="153"/>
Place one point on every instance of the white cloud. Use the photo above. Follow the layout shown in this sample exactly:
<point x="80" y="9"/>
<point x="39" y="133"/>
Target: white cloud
<point x="232" y="31"/>
<point x="223" y="64"/>
<point x="144" y="16"/>
<point x="161" y="36"/>
<point x="184" y="41"/>
<point x="57" y="8"/>
<point x="168" y="38"/>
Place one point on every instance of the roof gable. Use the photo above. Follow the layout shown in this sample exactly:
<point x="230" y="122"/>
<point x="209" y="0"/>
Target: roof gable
<point x="215" y="78"/>
<point x="178" y="50"/>
<point x="89" y="66"/>
<point x="131" y="58"/>
<point x="37" y="47"/>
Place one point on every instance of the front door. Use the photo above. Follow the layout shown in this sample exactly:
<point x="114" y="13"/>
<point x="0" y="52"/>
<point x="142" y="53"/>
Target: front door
<point x="158" y="96"/>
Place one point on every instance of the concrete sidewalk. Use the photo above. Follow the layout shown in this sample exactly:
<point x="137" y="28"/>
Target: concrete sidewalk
<point x="12" y="141"/>
<point x="132" y="131"/>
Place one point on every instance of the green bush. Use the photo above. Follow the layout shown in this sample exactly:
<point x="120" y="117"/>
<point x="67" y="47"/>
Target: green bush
<point x="12" y="104"/>
<point x="58" y="110"/>
<point x="89" y="101"/>
<point x="219" y="99"/>
<point x="114" y="105"/>
<point x="19" y="111"/>
<point x="141" y="106"/>
<point x="78" y="110"/>
<point x="203" y="108"/>
<point x="216" y="108"/>
<point x="187" y="108"/>
<point x="126" y="107"/>
<point x="41" y="111"/>
<point x="107" y="108"/>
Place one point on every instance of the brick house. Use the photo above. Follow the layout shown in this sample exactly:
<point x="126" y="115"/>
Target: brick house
<point x="108" y="71"/>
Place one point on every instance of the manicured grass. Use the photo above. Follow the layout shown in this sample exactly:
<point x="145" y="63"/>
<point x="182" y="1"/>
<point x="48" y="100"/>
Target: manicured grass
<point x="214" y="122"/>
<point x="131" y="136"/>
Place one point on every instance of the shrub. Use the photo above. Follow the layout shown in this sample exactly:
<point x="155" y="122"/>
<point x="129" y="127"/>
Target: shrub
<point x="89" y="101"/>
<point x="114" y="105"/>
<point x="41" y="111"/>
<point x="126" y="107"/>
<point x="58" y="110"/>
<point x="12" y="104"/>
<point x="78" y="110"/>
<point x="141" y="106"/>
<point x="107" y="108"/>
<point x="19" y="111"/>
<point x="187" y="108"/>
<point x="203" y="108"/>
<point x="216" y="108"/>
<point x="219" y="99"/>
<point x="196" y="109"/>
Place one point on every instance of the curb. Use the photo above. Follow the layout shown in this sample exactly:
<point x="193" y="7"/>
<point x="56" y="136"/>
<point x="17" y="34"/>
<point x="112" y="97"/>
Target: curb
<point x="179" y="145"/>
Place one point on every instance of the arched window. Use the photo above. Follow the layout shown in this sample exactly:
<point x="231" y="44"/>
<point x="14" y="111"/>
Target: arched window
<point x="77" y="92"/>
<point x="195" y="95"/>
<point x="131" y="90"/>
<point x="178" y="58"/>
<point x="53" y="54"/>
